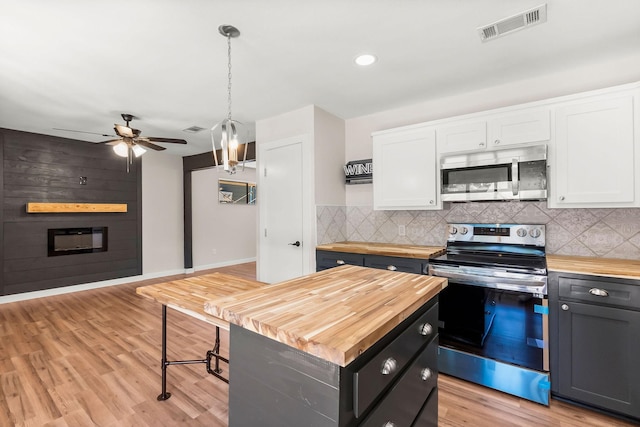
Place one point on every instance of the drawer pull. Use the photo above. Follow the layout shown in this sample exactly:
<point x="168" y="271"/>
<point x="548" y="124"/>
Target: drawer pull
<point x="426" y="329"/>
<point x="389" y="366"/>
<point x="392" y="268"/>
<point x="598" y="292"/>
<point x="340" y="262"/>
<point x="389" y="424"/>
<point x="425" y="374"/>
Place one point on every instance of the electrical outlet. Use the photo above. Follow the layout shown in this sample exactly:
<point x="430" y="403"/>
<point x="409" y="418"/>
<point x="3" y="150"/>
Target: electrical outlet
<point x="401" y="230"/>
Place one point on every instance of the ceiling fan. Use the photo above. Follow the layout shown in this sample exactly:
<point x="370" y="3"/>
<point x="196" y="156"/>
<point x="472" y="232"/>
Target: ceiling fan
<point x="130" y="142"/>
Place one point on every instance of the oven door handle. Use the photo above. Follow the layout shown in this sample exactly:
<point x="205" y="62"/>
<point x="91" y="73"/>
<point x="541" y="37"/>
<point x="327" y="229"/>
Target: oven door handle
<point x="515" y="184"/>
<point x="531" y="284"/>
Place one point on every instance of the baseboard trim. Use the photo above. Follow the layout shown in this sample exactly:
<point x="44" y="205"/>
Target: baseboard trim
<point x="113" y="282"/>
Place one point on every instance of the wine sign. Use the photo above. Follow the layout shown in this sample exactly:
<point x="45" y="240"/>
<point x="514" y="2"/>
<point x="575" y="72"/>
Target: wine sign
<point x="359" y="171"/>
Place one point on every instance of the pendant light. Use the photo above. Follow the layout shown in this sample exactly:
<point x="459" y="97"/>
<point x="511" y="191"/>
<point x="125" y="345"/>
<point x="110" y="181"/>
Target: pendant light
<point x="226" y="134"/>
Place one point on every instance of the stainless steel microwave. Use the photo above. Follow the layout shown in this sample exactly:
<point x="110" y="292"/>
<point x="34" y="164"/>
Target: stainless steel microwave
<point x="508" y="174"/>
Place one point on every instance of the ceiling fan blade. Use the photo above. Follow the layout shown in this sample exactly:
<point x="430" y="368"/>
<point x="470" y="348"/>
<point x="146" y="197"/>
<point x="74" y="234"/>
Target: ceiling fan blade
<point x="148" y="144"/>
<point x="82" y="131"/>
<point x="171" y="140"/>
<point x="125" y="131"/>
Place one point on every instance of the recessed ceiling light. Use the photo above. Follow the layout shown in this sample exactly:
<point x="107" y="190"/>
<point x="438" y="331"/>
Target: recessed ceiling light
<point x="365" y="59"/>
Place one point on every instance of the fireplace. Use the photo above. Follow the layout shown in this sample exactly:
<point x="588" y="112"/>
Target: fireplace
<point x="68" y="241"/>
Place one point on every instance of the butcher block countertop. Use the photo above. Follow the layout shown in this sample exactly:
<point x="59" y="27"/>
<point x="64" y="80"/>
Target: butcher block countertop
<point x="385" y="249"/>
<point x="622" y="268"/>
<point x="188" y="295"/>
<point x="335" y="314"/>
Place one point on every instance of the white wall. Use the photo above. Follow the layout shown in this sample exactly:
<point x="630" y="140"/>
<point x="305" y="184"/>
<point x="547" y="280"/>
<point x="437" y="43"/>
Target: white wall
<point x="162" y="214"/>
<point x="328" y="153"/>
<point x="294" y="123"/>
<point x="223" y="234"/>
<point x="594" y="76"/>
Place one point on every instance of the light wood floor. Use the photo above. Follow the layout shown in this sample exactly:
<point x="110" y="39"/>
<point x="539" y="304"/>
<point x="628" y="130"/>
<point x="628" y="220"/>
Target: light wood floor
<point x="93" y="358"/>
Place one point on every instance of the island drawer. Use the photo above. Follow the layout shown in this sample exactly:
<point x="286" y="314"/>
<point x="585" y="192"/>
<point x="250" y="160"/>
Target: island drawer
<point x="428" y="416"/>
<point x="328" y="259"/>
<point x="373" y="378"/>
<point x="599" y="291"/>
<point x="402" y="403"/>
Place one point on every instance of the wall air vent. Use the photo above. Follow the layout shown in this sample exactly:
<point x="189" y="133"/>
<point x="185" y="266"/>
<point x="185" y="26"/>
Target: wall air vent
<point x="530" y="17"/>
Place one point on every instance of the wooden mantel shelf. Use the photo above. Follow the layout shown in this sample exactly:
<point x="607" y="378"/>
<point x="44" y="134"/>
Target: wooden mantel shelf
<point x="75" y="207"/>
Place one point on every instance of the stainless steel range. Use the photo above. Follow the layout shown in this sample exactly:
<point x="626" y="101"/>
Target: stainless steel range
<point x="494" y="314"/>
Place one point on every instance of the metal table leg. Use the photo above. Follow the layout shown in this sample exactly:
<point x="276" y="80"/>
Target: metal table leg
<point x="164" y="395"/>
<point x="211" y="354"/>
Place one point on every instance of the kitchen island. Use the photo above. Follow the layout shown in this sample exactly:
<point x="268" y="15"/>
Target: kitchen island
<point x="342" y="347"/>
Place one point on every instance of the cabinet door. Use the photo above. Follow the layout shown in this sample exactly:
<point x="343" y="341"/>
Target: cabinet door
<point x="594" y="146"/>
<point x="465" y="136"/>
<point x="404" y="170"/>
<point x="519" y="128"/>
<point x="599" y="350"/>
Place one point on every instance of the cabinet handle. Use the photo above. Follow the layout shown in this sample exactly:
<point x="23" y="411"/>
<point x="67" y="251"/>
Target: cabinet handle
<point x="392" y="268"/>
<point x="340" y="261"/>
<point x="598" y="292"/>
<point x="389" y="424"/>
<point x="561" y="198"/>
<point x="497" y="141"/>
<point x="425" y="374"/>
<point x="389" y="366"/>
<point x="565" y="307"/>
<point x="431" y="202"/>
<point x="425" y="329"/>
<point x="481" y="144"/>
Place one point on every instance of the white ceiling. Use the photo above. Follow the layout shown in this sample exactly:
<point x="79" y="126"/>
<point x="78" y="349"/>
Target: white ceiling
<point x="77" y="64"/>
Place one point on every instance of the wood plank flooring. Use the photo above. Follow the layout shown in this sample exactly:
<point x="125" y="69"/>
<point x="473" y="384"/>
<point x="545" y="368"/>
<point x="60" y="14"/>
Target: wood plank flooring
<point x="92" y="358"/>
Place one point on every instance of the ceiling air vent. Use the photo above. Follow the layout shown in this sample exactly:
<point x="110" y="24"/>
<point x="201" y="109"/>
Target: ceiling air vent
<point x="193" y="129"/>
<point x="513" y="23"/>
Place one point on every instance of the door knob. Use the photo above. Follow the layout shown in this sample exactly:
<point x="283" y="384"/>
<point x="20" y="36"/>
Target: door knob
<point x="296" y="243"/>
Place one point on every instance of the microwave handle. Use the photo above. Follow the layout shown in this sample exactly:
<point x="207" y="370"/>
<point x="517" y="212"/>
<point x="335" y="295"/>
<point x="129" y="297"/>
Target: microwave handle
<point x="514" y="177"/>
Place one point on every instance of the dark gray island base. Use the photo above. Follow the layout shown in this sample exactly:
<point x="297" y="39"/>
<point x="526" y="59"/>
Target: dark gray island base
<point x="392" y="384"/>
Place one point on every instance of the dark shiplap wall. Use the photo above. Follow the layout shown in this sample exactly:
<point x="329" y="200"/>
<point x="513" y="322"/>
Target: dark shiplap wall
<point x="40" y="168"/>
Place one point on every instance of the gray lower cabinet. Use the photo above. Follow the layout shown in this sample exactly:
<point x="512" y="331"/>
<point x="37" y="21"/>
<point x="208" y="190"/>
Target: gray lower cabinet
<point x="392" y="384"/>
<point x="595" y="341"/>
<point x="329" y="259"/>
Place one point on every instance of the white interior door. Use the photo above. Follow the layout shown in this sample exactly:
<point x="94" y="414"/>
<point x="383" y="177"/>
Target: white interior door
<point x="281" y="200"/>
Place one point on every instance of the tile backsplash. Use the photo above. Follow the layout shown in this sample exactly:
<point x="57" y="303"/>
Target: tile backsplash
<point x="609" y="233"/>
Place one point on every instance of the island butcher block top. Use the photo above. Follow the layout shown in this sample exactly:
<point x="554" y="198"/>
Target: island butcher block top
<point x="335" y="314"/>
<point x="384" y="249"/>
<point x="189" y="295"/>
<point x="608" y="267"/>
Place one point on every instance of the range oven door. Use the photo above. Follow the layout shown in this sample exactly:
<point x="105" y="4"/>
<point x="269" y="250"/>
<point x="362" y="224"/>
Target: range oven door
<point x="497" y="338"/>
<point x="497" y="324"/>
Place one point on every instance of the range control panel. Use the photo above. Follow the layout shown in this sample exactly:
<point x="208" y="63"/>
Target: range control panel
<point x="522" y="234"/>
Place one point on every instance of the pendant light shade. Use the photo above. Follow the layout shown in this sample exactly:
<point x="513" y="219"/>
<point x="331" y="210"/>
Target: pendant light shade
<point x="228" y="134"/>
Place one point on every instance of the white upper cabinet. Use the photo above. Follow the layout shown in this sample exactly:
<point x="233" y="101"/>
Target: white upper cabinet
<point x="404" y="169"/>
<point x="462" y="136"/>
<point x="495" y="131"/>
<point x="519" y="128"/>
<point x="594" y="156"/>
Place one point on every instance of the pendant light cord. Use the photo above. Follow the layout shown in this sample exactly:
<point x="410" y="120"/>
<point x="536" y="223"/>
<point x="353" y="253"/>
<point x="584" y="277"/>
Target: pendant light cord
<point x="229" y="75"/>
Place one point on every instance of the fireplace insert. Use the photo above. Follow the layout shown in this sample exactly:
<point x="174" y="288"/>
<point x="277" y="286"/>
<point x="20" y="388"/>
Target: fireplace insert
<point x="68" y="241"/>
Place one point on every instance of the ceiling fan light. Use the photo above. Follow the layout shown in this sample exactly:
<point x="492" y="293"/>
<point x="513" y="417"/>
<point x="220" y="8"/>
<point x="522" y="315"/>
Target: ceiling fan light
<point x="138" y="150"/>
<point x="121" y="149"/>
